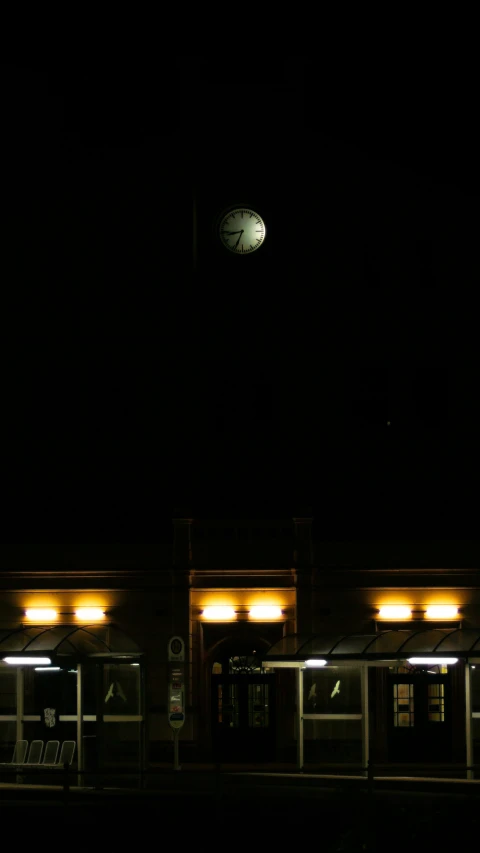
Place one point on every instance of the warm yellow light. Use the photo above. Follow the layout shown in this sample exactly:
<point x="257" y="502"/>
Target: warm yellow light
<point x="265" y="611"/>
<point x="224" y="614"/>
<point x="41" y="614"/>
<point x="441" y="611"/>
<point x="91" y="614"/>
<point x="395" y="611"/>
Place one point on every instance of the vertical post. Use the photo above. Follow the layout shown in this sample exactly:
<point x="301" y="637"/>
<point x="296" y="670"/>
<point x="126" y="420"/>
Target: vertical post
<point x="20" y="701"/>
<point x="143" y="728"/>
<point x="176" y="765"/>
<point x="468" y="719"/>
<point x="66" y="784"/>
<point x="194" y="227"/>
<point x="365" y="721"/>
<point x="99" y="726"/>
<point x="80" y="752"/>
<point x="299" y="719"/>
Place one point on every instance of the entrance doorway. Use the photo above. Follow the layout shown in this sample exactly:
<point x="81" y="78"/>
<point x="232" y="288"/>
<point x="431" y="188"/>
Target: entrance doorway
<point x="419" y="715"/>
<point x="242" y="710"/>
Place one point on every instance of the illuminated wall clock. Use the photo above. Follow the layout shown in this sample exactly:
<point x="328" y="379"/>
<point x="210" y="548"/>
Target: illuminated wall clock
<point x="242" y="230"/>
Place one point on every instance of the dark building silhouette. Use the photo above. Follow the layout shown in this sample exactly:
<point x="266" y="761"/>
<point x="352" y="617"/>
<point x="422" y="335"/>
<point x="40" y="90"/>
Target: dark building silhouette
<point x="146" y="363"/>
<point x="233" y="676"/>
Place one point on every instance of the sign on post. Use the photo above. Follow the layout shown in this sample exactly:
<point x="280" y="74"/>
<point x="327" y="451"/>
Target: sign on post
<point x="176" y="698"/>
<point x="176" y="689"/>
<point x="176" y="649"/>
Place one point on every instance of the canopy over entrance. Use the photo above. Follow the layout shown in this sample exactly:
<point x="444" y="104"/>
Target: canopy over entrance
<point x="75" y="641"/>
<point x="294" y="649"/>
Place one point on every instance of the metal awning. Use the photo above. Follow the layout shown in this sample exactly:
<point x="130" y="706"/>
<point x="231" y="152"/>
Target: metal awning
<point x="74" y="641"/>
<point x="384" y="645"/>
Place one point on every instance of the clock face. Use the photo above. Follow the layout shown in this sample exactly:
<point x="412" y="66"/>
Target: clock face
<point x="242" y="231"/>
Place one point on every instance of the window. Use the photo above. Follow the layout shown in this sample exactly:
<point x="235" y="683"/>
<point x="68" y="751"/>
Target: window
<point x="475" y="676"/>
<point x="332" y="690"/>
<point x="403" y="705"/>
<point x="258" y="706"/>
<point x="411" y="669"/>
<point x="227" y="705"/>
<point x="436" y="703"/>
<point x="244" y="665"/>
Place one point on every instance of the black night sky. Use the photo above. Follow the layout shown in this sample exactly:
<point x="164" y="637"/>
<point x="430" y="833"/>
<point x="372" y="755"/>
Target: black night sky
<point x="336" y="368"/>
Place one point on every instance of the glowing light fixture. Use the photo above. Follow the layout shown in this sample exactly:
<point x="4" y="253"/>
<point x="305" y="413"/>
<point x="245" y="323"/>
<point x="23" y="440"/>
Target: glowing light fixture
<point x="441" y="661"/>
<point x="92" y="614"/>
<point x="395" y="611"/>
<point x="41" y="614"/>
<point x="441" y="611"/>
<point x="315" y="662"/>
<point x="18" y="661"/>
<point x="221" y="613"/>
<point x="48" y="668"/>
<point x="265" y="612"/>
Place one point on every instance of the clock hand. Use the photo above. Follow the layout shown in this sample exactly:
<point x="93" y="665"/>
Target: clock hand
<point x="232" y="232"/>
<point x="236" y="244"/>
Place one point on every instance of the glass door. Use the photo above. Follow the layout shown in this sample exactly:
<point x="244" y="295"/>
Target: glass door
<point x="243" y="714"/>
<point x="419" y="717"/>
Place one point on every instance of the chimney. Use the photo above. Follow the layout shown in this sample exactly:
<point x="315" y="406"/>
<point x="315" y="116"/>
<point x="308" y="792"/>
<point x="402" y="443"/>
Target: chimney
<point x="182" y="541"/>
<point x="303" y="545"/>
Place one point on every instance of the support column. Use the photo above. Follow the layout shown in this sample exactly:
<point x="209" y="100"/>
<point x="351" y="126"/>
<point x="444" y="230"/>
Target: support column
<point x="468" y="719"/>
<point x="303" y="562"/>
<point x="80" y="755"/>
<point x="194" y="227"/>
<point x="180" y="618"/>
<point x="182" y="542"/>
<point x="20" y="701"/>
<point x="143" y="726"/>
<point x="299" y="719"/>
<point x="180" y="589"/>
<point x="303" y="548"/>
<point x="365" y="720"/>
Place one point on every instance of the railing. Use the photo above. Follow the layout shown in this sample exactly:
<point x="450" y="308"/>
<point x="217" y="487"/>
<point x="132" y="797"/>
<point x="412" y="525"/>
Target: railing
<point x="400" y="771"/>
<point x="69" y="776"/>
<point x="62" y="774"/>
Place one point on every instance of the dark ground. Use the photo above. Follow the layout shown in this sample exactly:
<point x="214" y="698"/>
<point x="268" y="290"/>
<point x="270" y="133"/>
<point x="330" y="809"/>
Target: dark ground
<point x="238" y="810"/>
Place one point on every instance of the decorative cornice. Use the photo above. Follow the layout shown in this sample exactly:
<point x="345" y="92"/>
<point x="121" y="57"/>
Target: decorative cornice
<point x="324" y="570"/>
<point x="242" y="572"/>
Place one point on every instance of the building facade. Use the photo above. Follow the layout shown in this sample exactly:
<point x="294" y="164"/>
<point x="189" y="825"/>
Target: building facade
<point x="246" y="643"/>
